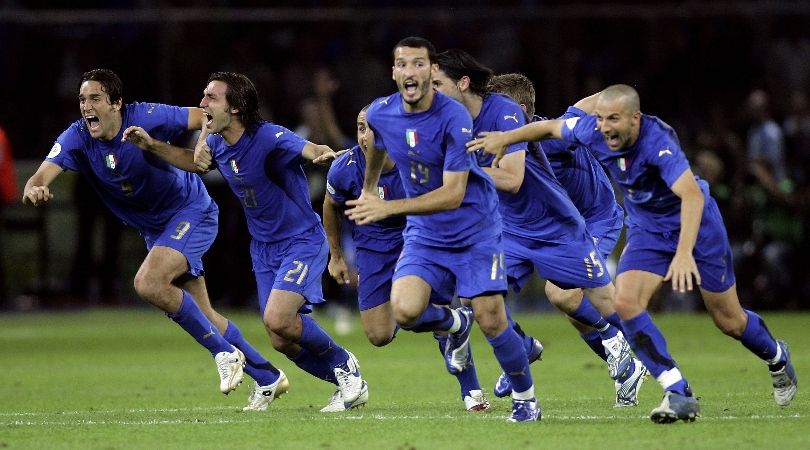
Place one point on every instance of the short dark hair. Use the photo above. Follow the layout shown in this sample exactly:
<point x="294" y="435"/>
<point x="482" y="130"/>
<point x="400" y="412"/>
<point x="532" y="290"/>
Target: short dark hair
<point x="417" y="42"/>
<point x="109" y="81"/>
<point x="517" y="86"/>
<point x="457" y="63"/>
<point x="242" y="95"/>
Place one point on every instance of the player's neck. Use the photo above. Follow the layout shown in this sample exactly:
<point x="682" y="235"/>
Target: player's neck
<point x="233" y="132"/>
<point x="473" y="103"/>
<point x="116" y="128"/>
<point x="422" y="105"/>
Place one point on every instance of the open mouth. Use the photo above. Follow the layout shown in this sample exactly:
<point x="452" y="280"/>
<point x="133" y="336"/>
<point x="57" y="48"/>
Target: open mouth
<point x="93" y="124"/>
<point x="411" y="87"/>
<point x="209" y="120"/>
<point x="612" y="140"/>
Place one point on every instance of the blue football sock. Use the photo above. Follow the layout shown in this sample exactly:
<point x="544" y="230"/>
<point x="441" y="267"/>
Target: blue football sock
<point x="256" y="365"/>
<point x="467" y="378"/>
<point x="588" y="315"/>
<point x="651" y="348"/>
<point x="528" y="341"/>
<point x="594" y="341"/>
<point x="616" y="321"/>
<point x="509" y="352"/>
<point x="318" y="342"/>
<point x="759" y="340"/>
<point x="433" y="318"/>
<point x="192" y="319"/>
<point x="313" y="365"/>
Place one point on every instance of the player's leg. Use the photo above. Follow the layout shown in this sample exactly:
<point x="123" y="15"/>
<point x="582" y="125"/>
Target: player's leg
<point x="153" y="282"/>
<point x="575" y="269"/>
<point x="269" y="381"/>
<point x="375" y="270"/>
<point x="490" y="314"/>
<point x="750" y="329"/>
<point x="481" y="276"/>
<point x="719" y="290"/>
<point x="297" y="266"/>
<point x="379" y="324"/>
<point x="519" y="269"/>
<point x="634" y="289"/>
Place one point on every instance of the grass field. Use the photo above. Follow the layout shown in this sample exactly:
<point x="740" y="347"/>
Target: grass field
<point x="126" y="379"/>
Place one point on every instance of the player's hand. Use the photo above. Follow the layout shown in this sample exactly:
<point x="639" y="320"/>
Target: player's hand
<point x="37" y="195"/>
<point x="138" y="136"/>
<point x="202" y="157"/>
<point x="492" y="142"/>
<point x="327" y="157"/>
<point x="368" y="208"/>
<point x="339" y="269"/>
<point x="681" y="270"/>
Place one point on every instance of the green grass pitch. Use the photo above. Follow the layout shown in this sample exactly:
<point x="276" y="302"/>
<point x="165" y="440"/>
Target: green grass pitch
<point x="131" y="379"/>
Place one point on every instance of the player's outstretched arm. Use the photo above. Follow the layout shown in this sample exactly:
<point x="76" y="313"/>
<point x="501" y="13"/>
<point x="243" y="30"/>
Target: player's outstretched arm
<point x="36" y="191"/>
<point x="182" y="158"/>
<point x="495" y="142"/>
<point x="320" y="154"/>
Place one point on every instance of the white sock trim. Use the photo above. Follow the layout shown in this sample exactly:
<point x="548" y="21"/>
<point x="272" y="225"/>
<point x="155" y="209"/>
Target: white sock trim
<point x="776" y="358"/>
<point x="669" y="377"/>
<point x="456" y="322"/>
<point x="528" y="394"/>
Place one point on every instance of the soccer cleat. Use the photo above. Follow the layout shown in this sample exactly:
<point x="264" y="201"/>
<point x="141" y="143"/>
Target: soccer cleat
<point x="476" y="401"/>
<point x="349" y="381"/>
<point x="231" y="369"/>
<point x="676" y="407"/>
<point x="503" y="386"/>
<point x="336" y="403"/>
<point x="784" y="380"/>
<point x="457" y="349"/>
<point x="627" y="391"/>
<point x="619" y="355"/>
<point x="262" y="396"/>
<point x="525" y="411"/>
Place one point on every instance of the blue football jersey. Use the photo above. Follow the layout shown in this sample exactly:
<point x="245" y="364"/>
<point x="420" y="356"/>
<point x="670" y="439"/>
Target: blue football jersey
<point x="139" y="188"/>
<point x="264" y="170"/>
<point x="583" y="178"/>
<point x="424" y="145"/>
<point x="644" y="172"/>
<point x="344" y="181"/>
<point x="541" y="209"/>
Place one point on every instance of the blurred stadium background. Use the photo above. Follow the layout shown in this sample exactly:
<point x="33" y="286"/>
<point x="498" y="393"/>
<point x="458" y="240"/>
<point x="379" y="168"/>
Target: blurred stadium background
<point x="720" y="73"/>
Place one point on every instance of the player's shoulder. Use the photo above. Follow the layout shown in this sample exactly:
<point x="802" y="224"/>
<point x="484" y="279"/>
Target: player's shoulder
<point x="148" y="108"/>
<point x="382" y="103"/>
<point x="573" y="111"/>
<point x="447" y="107"/>
<point x="353" y="157"/>
<point x="656" y="132"/>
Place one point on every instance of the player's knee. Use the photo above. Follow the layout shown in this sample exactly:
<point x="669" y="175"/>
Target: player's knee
<point x="627" y="306"/>
<point x="278" y="326"/>
<point x="491" y="324"/>
<point x="404" y="313"/>
<point x="730" y="325"/>
<point x="147" y="286"/>
<point x="378" y="338"/>
<point x="566" y="300"/>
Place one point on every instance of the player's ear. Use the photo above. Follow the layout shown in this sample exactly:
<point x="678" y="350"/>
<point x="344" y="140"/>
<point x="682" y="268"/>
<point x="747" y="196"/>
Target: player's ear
<point x="464" y="83"/>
